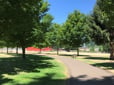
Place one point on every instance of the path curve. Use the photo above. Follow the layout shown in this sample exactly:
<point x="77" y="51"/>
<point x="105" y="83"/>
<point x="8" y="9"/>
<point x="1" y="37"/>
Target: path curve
<point x="81" y="73"/>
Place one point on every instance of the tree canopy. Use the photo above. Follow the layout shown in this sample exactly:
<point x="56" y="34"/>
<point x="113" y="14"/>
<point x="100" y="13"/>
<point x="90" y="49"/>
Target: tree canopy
<point x="103" y="16"/>
<point x="18" y="18"/>
<point x="54" y="36"/>
<point x="76" y="30"/>
<point x="41" y="29"/>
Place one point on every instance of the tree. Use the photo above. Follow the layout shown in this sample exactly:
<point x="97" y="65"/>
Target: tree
<point x="41" y="30"/>
<point x="54" y="36"/>
<point x="2" y="44"/>
<point x="104" y="18"/>
<point x="19" y="18"/>
<point x="76" y="30"/>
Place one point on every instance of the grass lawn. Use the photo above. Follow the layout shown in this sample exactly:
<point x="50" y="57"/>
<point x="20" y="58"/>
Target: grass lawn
<point x="35" y="70"/>
<point x="98" y="60"/>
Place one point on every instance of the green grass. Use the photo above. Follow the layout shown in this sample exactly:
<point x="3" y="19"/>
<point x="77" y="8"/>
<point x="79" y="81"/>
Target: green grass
<point x="85" y="60"/>
<point x="102" y="62"/>
<point x="35" y="70"/>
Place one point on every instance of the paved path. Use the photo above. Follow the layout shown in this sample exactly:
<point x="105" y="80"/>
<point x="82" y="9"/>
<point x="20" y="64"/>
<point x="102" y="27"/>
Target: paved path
<point x="81" y="73"/>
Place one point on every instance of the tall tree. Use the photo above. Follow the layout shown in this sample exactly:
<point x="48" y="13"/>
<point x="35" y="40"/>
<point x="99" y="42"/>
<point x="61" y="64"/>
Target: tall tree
<point x="54" y="36"/>
<point x="20" y="18"/>
<point x="76" y="30"/>
<point x="41" y="30"/>
<point x="104" y="19"/>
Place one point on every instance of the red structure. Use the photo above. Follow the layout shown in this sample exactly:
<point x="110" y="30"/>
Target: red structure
<point x="37" y="49"/>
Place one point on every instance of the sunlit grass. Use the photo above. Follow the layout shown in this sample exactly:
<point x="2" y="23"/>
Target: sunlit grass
<point x="5" y="55"/>
<point x="98" y="61"/>
<point x="35" y="70"/>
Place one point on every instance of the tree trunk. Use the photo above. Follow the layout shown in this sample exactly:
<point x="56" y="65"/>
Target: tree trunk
<point x="23" y="52"/>
<point x="2" y="50"/>
<point x="40" y="50"/>
<point x="112" y="51"/>
<point x="77" y="51"/>
<point x="17" y="50"/>
<point x="57" y="50"/>
<point x="7" y="50"/>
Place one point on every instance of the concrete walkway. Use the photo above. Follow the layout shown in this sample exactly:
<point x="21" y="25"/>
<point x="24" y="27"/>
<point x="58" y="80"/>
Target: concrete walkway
<point x="81" y="73"/>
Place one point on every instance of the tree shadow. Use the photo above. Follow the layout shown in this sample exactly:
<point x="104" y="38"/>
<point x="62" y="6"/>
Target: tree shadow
<point x="2" y="80"/>
<point x="8" y="65"/>
<point x="52" y="53"/>
<point x="97" y="58"/>
<point x="73" y="55"/>
<point x="14" y="65"/>
<point x="45" y="80"/>
<point x="84" y="55"/>
<point x="109" y="65"/>
<point x="27" y="65"/>
<point x="81" y="80"/>
<point x="65" y="54"/>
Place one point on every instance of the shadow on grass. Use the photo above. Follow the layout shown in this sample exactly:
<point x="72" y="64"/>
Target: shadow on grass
<point x="8" y="65"/>
<point x="73" y="55"/>
<point x="79" y="80"/>
<point x="52" y="53"/>
<point x="84" y="55"/>
<point x="109" y="65"/>
<point x="14" y="65"/>
<point x="65" y="54"/>
<point x="45" y="80"/>
<point x="97" y="58"/>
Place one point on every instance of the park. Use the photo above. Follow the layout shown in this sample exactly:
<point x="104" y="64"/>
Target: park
<point x="46" y="42"/>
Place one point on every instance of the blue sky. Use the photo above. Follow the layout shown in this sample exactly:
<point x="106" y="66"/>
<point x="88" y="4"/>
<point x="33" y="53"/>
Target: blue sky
<point x="60" y="9"/>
